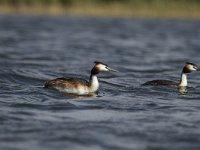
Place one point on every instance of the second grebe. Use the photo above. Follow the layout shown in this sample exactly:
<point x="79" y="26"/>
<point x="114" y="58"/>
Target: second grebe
<point x="79" y="86"/>
<point x="188" y="68"/>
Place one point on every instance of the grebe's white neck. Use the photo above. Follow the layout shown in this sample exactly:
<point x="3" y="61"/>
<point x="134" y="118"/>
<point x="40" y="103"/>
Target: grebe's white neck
<point x="93" y="84"/>
<point x="183" y="80"/>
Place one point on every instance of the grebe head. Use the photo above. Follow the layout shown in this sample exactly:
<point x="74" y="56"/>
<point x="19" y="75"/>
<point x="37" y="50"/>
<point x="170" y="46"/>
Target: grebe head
<point x="190" y="67"/>
<point x="99" y="66"/>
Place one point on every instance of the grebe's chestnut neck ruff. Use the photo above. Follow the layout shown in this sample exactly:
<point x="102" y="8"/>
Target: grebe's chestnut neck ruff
<point x="188" y="68"/>
<point x="79" y="86"/>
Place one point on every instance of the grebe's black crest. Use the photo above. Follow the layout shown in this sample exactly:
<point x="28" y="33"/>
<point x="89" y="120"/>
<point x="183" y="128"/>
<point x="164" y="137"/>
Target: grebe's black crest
<point x="189" y="63"/>
<point x="98" y="62"/>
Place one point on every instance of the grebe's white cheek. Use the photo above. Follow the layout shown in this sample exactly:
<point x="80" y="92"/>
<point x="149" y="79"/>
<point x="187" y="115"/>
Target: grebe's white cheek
<point x="103" y="68"/>
<point x="193" y="68"/>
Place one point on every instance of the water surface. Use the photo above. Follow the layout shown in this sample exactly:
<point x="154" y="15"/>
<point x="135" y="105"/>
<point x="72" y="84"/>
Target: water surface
<point x="125" y="115"/>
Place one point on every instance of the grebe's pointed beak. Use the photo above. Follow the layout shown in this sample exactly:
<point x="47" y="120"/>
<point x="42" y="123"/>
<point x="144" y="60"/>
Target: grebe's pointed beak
<point x="110" y="69"/>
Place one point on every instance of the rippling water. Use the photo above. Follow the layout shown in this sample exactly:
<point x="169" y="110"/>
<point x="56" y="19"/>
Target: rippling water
<point x="125" y="115"/>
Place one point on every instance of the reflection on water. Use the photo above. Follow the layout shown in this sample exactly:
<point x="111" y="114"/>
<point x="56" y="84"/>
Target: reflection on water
<point x="75" y="96"/>
<point x="124" y="114"/>
<point x="182" y="90"/>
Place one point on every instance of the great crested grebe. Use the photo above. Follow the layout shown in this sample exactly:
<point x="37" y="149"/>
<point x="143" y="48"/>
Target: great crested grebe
<point x="188" y="68"/>
<point x="79" y="86"/>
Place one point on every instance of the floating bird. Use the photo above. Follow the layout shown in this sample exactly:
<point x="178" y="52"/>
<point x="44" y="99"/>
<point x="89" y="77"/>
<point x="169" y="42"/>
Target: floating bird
<point x="79" y="86"/>
<point x="188" y="68"/>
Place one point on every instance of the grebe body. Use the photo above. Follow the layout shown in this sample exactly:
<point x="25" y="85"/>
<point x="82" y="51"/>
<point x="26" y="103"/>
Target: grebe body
<point x="188" y="68"/>
<point x="162" y="82"/>
<point x="79" y="86"/>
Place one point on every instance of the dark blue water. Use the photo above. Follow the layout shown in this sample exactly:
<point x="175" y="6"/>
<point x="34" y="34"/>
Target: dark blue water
<point x="125" y="115"/>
